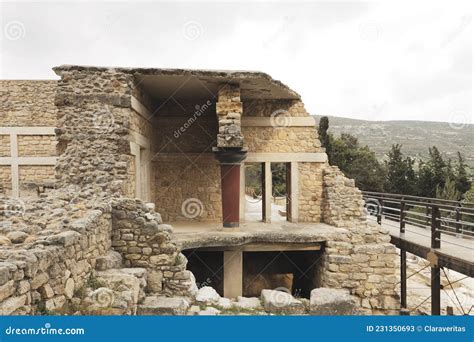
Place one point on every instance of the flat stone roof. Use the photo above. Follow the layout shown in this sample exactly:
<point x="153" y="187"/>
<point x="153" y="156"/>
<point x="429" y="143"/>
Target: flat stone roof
<point x="190" y="235"/>
<point x="201" y="83"/>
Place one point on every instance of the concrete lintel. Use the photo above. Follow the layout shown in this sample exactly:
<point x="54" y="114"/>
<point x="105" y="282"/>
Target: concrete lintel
<point x="256" y="157"/>
<point x="141" y="109"/>
<point x="293" y="121"/>
<point x="233" y="273"/>
<point x="28" y="160"/>
<point x="27" y="130"/>
<point x="139" y="139"/>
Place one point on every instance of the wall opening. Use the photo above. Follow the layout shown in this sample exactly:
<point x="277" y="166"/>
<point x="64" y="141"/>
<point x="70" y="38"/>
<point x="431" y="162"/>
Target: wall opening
<point x="254" y="179"/>
<point x="207" y="267"/>
<point x="295" y="271"/>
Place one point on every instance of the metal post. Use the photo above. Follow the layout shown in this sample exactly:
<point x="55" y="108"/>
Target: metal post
<point x="435" y="291"/>
<point x="380" y="212"/>
<point x="458" y="222"/>
<point x="402" y="216"/>
<point x="403" y="278"/>
<point x="435" y="227"/>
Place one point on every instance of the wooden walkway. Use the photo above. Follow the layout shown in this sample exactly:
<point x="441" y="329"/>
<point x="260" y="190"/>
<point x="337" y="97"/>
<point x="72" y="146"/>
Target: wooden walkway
<point x="455" y="253"/>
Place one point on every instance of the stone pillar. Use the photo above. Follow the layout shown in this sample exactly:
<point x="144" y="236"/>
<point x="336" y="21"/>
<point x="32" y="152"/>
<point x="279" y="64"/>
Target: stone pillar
<point x="229" y="112"/>
<point x="233" y="273"/>
<point x="229" y="151"/>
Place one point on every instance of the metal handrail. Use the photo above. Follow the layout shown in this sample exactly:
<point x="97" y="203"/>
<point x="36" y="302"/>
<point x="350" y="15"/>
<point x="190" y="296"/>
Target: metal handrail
<point x="442" y="216"/>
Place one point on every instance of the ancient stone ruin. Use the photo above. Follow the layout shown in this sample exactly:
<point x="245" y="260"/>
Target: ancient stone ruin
<point x="124" y="192"/>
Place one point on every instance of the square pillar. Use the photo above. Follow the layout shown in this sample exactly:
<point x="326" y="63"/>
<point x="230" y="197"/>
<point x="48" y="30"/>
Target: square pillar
<point x="233" y="273"/>
<point x="267" y="192"/>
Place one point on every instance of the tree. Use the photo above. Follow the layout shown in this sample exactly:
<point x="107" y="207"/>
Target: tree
<point x="463" y="184"/>
<point x="401" y="176"/>
<point x="359" y="163"/>
<point x="432" y="174"/>
<point x="324" y="136"/>
<point x="449" y="191"/>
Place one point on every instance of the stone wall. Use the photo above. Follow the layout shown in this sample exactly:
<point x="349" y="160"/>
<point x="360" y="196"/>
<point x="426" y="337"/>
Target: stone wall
<point x="27" y="103"/>
<point x="4" y="145"/>
<point x="56" y="252"/>
<point x="36" y="145"/>
<point x="5" y="180"/>
<point x="184" y="166"/>
<point x="144" y="241"/>
<point x="281" y="136"/>
<point x="181" y="185"/>
<point x="360" y="256"/>
<point x="310" y="192"/>
<point x="229" y="112"/>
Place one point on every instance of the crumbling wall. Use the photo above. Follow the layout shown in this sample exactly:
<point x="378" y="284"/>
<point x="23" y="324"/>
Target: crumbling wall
<point x="55" y="251"/>
<point x="144" y="241"/>
<point x="361" y="258"/>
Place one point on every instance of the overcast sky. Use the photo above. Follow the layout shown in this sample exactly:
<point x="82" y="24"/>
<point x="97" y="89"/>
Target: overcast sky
<point x="377" y="61"/>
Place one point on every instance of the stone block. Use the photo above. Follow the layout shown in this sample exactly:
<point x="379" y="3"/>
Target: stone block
<point x="157" y="305"/>
<point x="325" y="301"/>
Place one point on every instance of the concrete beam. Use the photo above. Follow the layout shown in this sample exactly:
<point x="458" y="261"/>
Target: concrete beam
<point x="256" y="157"/>
<point x="293" y="121"/>
<point x="27" y="130"/>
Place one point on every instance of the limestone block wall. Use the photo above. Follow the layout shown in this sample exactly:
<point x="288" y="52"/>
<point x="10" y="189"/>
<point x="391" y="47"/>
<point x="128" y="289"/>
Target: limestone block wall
<point x="281" y="136"/>
<point x="188" y="191"/>
<point x="343" y="202"/>
<point x="184" y="167"/>
<point x="27" y="103"/>
<point x="5" y="180"/>
<point x="4" y="145"/>
<point x="360" y="256"/>
<point x="311" y="191"/>
<point x="46" y="272"/>
<point x="36" y="145"/>
<point x="144" y="241"/>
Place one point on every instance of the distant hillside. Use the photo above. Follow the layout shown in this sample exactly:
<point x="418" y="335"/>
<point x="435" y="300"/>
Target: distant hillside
<point x="415" y="136"/>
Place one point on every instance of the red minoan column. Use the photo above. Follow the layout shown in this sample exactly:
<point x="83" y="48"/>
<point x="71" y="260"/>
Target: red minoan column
<point x="230" y="184"/>
<point x="230" y="160"/>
